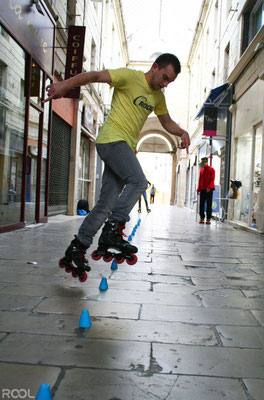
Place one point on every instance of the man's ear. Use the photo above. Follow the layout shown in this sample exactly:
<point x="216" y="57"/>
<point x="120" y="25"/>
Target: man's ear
<point x="154" y="67"/>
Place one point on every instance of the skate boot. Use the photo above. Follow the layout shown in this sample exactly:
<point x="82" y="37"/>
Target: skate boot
<point x="112" y="238"/>
<point x="148" y="210"/>
<point x="139" y="210"/>
<point x="201" y="221"/>
<point x="75" y="253"/>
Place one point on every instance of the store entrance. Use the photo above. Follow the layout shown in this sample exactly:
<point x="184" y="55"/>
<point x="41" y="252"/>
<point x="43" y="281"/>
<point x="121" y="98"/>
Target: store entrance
<point x="32" y="165"/>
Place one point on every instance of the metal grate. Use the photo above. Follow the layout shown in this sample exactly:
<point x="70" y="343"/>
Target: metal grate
<point x="59" y="165"/>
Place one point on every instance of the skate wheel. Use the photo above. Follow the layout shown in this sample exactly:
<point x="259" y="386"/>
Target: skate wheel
<point x="95" y="256"/>
<point x="132" y="259"/>
<point x="75" y="274"/>
<point x="119" y="260"/>
<point x="83" y="277"/>
<point x="62" y="263"/>
<point x="107" y="258"/>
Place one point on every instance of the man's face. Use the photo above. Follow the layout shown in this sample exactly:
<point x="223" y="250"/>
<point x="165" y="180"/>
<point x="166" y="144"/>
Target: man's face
<point x="162" y="77"/>
<point x="204" y="162"/>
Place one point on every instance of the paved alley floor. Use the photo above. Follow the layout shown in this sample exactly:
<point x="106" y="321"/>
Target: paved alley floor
<point x="185" y="322"/>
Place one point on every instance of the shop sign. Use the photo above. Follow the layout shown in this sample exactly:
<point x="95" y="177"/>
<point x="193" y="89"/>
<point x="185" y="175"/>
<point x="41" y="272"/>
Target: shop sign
<point x="210" y="121"/>
<point x="32" y="27"/>
<point x="74" y="59"/>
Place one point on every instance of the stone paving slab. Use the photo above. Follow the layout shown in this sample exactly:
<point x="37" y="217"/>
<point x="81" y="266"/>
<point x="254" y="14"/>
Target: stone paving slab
<point x="200" y="264"/>
<point x="129" y="276"/>
<point x="220" y="260"/>
<point x="113" y="283"/>
<point x="25" y="380"/>
<point x="259" y="315"/>
<point x="30" y="278"/>
<point x="255" y="294"/>
<point x="183" y="287"/>
<point x="210" y="361"/>
<point x="187" y="272"/>
<point x="211" y="282"/>
<point x="241" y="336"/>
<point x="255" y="388"/>
<point x="140" y="297"/>
<point x="244" y="284"/>
<point x="206" y="388"/>
<point x="76" y="352"/>
<point x="114" y="385"/>
<point x="18" y="303"/>
<point x="44" y="290"/>
<point x="106" y="328"/>
<point x="233" y="300"/>
<point x="257" y="259"/>
<point x="200" y="315"/>
<point x="59" y="305"/>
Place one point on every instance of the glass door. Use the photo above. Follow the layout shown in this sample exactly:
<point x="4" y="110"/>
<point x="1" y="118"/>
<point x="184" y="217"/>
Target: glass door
<point x="258" y="138"/>
<point x="242" y="210"/>
<point x="32" y="165"/>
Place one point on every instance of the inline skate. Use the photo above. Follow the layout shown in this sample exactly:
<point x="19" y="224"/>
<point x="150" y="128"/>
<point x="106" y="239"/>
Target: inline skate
<point x="112" y="238"/>
<point x="75" y="253"/>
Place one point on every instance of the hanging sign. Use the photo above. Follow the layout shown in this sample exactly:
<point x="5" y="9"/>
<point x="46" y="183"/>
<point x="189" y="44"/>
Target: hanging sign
<point x="74" y="59"/>
<point x="210" y="121"/>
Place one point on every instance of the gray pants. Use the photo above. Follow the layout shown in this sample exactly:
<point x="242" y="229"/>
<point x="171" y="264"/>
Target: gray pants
<point x="122" y="184"/>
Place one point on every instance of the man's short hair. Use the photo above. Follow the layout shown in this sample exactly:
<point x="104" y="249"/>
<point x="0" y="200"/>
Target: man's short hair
<point x="205" y="159"/>
<point x="165" y="59"/>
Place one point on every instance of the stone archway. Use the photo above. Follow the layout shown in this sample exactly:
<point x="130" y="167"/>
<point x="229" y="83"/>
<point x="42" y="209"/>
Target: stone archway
<point x="154" y="139"/>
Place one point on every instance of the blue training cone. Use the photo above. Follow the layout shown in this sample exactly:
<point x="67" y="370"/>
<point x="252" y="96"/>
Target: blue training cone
<point x="114" y="265"/>
<point x="103" y="284"/>
<point x="85" y="321"/>
<point x="129" y="238"/>
<point x="44" y="392"/>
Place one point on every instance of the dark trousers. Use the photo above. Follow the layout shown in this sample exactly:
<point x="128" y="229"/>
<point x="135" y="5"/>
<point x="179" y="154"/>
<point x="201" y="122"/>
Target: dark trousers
<point x="208" y="198"/>
<point x="146" y="201"/>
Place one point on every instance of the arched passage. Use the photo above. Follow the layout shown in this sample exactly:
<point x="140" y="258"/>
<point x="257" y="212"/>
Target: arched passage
<point x="154" y="140"/>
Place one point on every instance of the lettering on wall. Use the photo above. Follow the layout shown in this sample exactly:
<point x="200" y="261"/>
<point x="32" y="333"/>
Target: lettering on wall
<point x="74" y="59"/>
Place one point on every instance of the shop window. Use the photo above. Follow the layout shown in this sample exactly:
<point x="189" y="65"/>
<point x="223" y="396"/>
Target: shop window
<point x="248" y="149"/>
<point x="226" y="62"/>
<point x="243" y="171"/>
<point x="36" y="83"/>
<point x="12" y="121"/>
<point x="215" y="22"/>
<point x="93" y="56"/>
<point x="253" y="19"/>
<point x="256" y="175"/>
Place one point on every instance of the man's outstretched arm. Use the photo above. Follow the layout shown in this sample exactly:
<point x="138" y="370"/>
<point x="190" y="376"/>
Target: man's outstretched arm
<point x="175" y="129"/>
<point x="59" y="89"/>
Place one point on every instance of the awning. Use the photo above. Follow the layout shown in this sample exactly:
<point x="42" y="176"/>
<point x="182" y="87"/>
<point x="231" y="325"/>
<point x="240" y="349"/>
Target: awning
<point x="214" y="99"/>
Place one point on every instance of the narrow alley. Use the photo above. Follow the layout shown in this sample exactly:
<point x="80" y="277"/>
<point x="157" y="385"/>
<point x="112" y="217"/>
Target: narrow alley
<point x="185" y="322"/>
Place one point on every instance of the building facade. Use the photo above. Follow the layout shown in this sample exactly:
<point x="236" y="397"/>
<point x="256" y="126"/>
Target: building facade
<point x="47" y="151"/>
<point x="27" y="38"/>
<point x="226" y="72"/>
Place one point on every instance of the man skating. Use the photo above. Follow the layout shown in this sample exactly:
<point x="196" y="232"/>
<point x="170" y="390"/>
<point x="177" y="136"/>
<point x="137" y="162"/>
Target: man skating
<point x="135" y="96"/>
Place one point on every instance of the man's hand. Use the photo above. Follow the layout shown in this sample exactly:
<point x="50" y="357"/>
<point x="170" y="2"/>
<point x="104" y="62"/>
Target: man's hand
<point x="57" y="90"/>
<point x="208" y="190"/>
<point x="185" y="142"/>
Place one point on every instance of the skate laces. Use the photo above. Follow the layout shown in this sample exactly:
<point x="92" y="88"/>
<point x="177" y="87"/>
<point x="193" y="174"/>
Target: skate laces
<point x="120" y="229"/>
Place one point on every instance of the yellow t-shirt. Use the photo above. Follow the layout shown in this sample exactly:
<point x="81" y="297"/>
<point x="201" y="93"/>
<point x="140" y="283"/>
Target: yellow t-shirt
<point x="133" y="100"/>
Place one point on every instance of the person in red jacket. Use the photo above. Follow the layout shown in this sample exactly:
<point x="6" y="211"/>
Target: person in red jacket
<point x="205" y="188"/>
